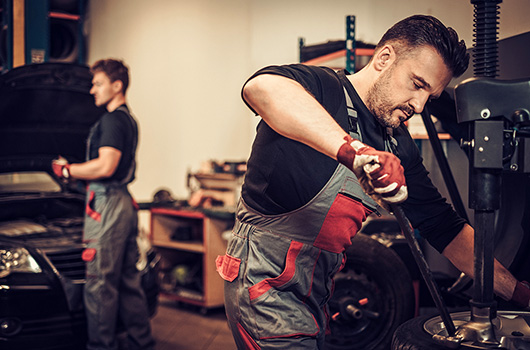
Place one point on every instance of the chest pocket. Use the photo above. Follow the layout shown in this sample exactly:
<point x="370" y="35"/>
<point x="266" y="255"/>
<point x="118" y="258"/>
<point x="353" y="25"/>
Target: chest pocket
<point x="345" y="217"/>
<point x="353" y="189"/>
<point x="351" y="206"/>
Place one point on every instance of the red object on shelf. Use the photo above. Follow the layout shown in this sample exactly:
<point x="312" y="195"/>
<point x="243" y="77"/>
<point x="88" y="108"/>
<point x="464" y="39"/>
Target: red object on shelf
<point x="338" y="54"/>
<point x="62" y="15"/>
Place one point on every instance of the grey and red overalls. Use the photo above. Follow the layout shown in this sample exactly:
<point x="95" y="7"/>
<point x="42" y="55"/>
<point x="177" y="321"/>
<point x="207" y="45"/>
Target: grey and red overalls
<point x="285" y="263"/>
<point x="113" y="290"/>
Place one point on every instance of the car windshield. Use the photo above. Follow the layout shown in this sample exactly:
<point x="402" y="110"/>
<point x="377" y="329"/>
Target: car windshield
<point x="32" y="181"/>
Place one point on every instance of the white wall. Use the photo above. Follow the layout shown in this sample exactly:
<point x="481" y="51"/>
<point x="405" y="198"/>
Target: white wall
<point x="189" y="59"/>
<point x="277" y="24"/>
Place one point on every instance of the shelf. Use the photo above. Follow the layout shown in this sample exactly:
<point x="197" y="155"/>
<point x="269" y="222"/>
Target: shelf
<point x="189" y="242"/>
<point x="417" y="129"/>
<point x="62" y="15"/>
<point x="179" y="229"/>
<point x="186" y="294"/>
<point x="441" y="136"/>
<point x="336" y="55"/>
<point x="196" y="247"/>
<point x="180" y="213"/>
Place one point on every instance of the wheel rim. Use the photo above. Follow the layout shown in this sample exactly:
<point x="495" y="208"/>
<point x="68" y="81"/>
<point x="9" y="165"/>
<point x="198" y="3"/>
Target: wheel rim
<point x="511" y="329"/>
<point x="359" y="308"/>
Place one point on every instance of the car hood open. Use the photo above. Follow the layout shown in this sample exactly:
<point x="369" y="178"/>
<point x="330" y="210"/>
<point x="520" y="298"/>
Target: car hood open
<point x="46" y="110"/>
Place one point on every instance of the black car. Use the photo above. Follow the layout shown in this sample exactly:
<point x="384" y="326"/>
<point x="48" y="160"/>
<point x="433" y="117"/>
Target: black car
<point x="45" y="111"/>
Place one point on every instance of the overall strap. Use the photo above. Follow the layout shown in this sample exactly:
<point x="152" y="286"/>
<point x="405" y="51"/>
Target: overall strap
<point x="89" y="140"/>
<point x="390" y="142"/>
<point x="354" y="131"/>
<point x="132" y="167"/>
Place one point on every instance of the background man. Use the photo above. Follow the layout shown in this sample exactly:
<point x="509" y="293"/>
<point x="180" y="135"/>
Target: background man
<point x="112" y="291"/>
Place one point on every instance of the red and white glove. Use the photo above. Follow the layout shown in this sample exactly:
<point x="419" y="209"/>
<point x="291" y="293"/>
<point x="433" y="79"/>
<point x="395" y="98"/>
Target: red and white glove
<point x="61" y="168"/>
<point x="521" y="295"/>
<point x="383" y="170"/>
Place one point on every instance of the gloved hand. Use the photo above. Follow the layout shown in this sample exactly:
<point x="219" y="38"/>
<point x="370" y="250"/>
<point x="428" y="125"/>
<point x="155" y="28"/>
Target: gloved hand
<point x="521" y="295"/>
<point x="61" y="168"/>
<point x="380" y="173"/>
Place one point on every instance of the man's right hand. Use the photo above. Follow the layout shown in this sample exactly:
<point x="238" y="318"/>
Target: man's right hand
<point x="384" y="171"/>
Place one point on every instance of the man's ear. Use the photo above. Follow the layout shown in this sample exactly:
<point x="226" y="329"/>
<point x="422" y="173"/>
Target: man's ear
<point x="384" y="57"/>
<point x="117" y="86"/>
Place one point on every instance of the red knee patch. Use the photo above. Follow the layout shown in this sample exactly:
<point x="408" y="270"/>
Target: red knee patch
<point x="88" y="254"/>
<point x="250" y="344"/>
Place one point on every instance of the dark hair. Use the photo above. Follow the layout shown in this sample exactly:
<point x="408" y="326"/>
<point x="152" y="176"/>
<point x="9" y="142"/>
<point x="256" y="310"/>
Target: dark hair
<point x="114" y="69"/>
<point x="419" y="30"/>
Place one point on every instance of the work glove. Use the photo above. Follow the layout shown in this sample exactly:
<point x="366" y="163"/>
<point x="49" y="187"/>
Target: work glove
<point x="379" y="173"/>
<point x="61" y="168"/>
<point x="521" y="295"/>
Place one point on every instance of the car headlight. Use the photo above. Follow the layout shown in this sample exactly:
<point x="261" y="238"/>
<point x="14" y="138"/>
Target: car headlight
<point x="17" y="259"/>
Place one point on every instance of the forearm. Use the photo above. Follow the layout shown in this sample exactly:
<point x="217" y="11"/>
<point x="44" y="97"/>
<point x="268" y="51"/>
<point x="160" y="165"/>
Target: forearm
<point x="292" y="112"/>
<point x="101" y="167"/>
<point x="91" y="170"/>
<point x="460" y="253"/>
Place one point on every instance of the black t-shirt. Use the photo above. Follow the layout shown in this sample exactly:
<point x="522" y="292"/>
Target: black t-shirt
<point x="118" y="130"/>
<point x="283" y="174"/>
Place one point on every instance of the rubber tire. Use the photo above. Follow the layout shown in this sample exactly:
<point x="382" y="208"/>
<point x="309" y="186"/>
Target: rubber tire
<point x="382" y="268"/>
<point x="412" y="336"/>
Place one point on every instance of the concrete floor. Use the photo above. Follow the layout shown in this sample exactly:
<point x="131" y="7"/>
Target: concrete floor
<point x="178" y="326"/>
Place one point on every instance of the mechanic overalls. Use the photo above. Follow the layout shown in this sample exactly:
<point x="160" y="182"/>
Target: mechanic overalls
<point x="278" y="268"/>
<point x="113" y="291"/>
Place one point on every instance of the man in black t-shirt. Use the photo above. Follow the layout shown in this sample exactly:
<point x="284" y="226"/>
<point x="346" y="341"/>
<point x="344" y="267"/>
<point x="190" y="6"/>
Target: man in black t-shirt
<point x="112" y="291"/>
<point x="325" y="137"/>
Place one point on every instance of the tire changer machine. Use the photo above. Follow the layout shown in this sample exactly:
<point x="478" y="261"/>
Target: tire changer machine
<point x="497" y="116"/>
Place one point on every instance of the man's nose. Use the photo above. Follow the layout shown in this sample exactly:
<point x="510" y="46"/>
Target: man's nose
<point x="419" y="101"/>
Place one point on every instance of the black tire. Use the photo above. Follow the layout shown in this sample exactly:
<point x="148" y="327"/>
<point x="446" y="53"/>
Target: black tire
<point x="417" y="333"/>
<point x="412" y="336"/>
<point x="376" y="272"/>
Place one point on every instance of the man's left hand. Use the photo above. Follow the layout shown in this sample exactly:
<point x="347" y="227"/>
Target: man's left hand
<point x="521" y="295"/>
<point x="61" y="168"/>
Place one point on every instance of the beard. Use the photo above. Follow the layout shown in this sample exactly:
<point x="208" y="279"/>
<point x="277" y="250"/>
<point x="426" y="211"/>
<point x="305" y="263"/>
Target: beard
<point x="379" y="102"/>
<point x="102" y="103"/>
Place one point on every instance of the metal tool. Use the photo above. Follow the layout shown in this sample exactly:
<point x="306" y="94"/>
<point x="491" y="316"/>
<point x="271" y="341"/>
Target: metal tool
<point x="423" y="267"/>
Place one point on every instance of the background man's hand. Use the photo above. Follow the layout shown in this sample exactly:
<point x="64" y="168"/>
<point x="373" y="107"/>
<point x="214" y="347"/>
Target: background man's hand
<point x="61" y="168"/>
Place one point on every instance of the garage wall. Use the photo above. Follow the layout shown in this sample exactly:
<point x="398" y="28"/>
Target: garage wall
<point x="189" y="60"/>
